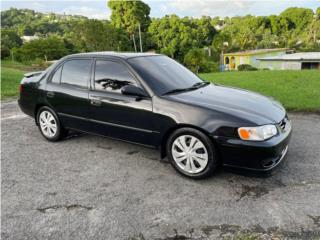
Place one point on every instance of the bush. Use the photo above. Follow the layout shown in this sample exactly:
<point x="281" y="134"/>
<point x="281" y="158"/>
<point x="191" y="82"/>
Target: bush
<point x="5" y="52"/>
<point x="209" y="67"/>
<point x="50" y="48"/>
<point x="195" y="60"/>
<point x="246" y="67"/>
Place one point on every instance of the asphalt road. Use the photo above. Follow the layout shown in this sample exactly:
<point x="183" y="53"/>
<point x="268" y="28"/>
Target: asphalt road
<point x="89" y="187"/>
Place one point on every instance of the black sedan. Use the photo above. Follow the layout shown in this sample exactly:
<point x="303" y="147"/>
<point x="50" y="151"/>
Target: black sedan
<point x="154" y="101"/>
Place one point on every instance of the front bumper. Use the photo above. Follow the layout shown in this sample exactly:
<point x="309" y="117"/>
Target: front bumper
<point x="249" y="155"/>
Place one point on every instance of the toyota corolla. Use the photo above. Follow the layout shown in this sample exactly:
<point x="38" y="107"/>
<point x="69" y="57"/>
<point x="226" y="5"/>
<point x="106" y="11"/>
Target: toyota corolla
<point x="154" y="101"/>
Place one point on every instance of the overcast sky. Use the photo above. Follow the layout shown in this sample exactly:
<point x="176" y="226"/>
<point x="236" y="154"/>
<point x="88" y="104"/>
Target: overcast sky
<point x="194" y="8"/>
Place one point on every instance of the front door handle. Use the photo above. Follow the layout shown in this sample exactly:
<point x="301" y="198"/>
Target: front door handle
<point x="95" y="102"/>
<point x="50" y="94"/>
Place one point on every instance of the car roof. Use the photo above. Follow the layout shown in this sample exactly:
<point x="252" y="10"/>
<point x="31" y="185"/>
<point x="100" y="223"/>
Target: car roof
<point x="124" y="55"/>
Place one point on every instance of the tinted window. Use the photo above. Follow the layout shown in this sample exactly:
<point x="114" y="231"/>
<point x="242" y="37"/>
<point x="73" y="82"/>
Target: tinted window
<point x="163" y="74"/>
<point x="111" y="76"/>
<point x="76" y="72"/>
<point x="56" y="76"/>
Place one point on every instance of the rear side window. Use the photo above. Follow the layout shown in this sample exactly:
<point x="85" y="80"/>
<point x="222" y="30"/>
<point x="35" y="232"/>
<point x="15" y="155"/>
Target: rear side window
<point x="56" y="76"/>
<point x="76" y="72"/>
<point x="111" y="76"/>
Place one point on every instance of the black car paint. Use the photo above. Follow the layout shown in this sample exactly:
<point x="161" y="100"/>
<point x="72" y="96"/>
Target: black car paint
<point x="215" y="110"/>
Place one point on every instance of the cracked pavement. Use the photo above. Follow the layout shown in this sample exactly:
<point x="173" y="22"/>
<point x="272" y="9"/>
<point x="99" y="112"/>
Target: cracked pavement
<point x="89" y="187"/>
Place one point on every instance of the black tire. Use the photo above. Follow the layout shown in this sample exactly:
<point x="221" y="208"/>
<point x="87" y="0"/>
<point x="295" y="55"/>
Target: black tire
<point x="60" y="131"/>
<point x="212" y="162"/>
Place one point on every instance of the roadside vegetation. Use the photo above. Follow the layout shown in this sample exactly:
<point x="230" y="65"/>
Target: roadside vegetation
<point x="27" y="35"/>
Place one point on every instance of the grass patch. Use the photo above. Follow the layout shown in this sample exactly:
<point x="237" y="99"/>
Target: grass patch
<point x="12" y="74"/>
<point x="296" y="90"/>
<point x="10" y="80"/>
<point x="26" y="67"/>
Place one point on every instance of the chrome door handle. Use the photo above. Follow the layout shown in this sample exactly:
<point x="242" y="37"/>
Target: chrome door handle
<point x="50" y="94"/>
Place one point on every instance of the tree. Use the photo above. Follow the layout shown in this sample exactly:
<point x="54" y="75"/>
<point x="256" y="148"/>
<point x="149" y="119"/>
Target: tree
<point x="298" y="18"/>
<point x="221" y="42"/>
<point x="314" y="32"/>
<point x="245" y="31"/>
<point x="51" y="48"/>
<point x="206" y="30"/>
<point x="129" y="14"/>
<point x="195" y="59"/>
<point x="95" y="35"/>
<point x="268" y="40"/>
<point x="9" y="39"/>
<point x="175" y="36"/>
<point x="301" y="29"/>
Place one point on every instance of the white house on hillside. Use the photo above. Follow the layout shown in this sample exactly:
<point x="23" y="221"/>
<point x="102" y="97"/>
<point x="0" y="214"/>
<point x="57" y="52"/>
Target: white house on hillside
<point x="294" y="61"/>
<point x="29" y="38"/>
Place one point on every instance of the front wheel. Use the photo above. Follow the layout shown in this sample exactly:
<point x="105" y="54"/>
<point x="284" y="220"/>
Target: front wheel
<point x="49" y="124"/>
<point x="191" y="153"/>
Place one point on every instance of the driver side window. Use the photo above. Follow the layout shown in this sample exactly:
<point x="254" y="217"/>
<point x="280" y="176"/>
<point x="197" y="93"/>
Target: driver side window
<point x="111" y="76"/>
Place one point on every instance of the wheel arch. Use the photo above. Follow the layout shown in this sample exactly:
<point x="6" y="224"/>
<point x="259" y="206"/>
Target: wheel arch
<point x="36" y="109"/>
<point x="38" y="106"/>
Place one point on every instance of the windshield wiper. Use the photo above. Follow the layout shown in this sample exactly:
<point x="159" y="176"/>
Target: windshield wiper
<point x="200" y="84"/>
<point x="193" y="87"/>
<point x="177" y="90"/>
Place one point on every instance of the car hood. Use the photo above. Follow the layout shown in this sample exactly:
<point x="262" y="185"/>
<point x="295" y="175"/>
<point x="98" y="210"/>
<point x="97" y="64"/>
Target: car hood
<point x="253" y="107"/>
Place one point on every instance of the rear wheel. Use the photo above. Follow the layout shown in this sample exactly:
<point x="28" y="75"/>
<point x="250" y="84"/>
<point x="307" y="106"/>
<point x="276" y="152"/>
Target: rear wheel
<point x="191" y="153"/>
<point x="49" y="124"/>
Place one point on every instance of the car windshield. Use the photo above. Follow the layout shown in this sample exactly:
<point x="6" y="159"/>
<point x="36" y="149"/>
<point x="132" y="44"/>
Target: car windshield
<point x="164" y="75"/>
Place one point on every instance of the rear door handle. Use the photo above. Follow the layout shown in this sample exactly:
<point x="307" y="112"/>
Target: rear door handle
<point x="95" y="102"/>
<point x="50" y="94"/>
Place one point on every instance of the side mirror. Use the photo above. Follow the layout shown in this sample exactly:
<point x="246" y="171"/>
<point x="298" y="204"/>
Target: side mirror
<point x="133" y="91"/>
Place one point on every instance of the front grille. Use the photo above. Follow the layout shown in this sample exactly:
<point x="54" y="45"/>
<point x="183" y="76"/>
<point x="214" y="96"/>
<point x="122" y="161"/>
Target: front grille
<point x="284" y="124"/>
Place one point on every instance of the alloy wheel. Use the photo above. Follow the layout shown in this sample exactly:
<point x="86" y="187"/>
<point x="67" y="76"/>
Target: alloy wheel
<point x="48" y="124"/>
<point x="190" y="154"/>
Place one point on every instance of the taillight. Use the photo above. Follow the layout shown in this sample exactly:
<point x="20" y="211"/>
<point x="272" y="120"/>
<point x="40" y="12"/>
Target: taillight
<point x="20" y="88"/>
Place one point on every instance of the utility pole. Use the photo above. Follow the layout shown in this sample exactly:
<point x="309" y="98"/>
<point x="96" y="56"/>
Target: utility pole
<point x="134" y="43"/>
<point x="224" y="45"/>
<point x="221" y="61"/>
<point x="140" y="38"/>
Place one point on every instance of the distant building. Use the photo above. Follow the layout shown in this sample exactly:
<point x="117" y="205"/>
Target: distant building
<point x="294" y="61"/>
<point x="231" y="61"/>
<point x="29" y="38"/>
<point x="219" y="27"/>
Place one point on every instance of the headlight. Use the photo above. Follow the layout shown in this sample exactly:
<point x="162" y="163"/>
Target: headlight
<point x="257" y="133"/>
